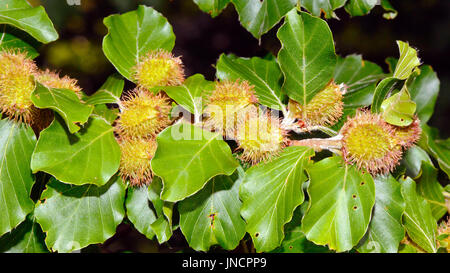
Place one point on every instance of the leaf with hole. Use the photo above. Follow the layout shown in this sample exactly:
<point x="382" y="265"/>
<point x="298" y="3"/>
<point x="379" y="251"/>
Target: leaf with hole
<point x="211" y="216"/>
<point x="341" y="202"/>
<point x="76" y="216"/>
<point x="399" y="109"/>
<point x="385" y="229"/>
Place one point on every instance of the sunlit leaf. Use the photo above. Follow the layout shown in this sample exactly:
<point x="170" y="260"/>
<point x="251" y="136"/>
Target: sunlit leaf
<point x="76" y="158"/>
<point x="264" y="75"/>
<point x="131" y="35"/>
<point x="65" y="102"/>
<point x="76" y="216"/>
<point x="399" y="108"/>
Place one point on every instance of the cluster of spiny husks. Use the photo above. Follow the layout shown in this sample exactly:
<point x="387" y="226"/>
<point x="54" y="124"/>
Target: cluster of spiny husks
<point x="18" y="76"/>
<point x="158" y="68"/>
<point x="144" y="113"/>
<point x="232" y="109"/>
<point x="369" y="142"/>
<point x="52" y="79"/>
<point x="16" y="85"/>
<point x="260" y="136"/>
<point x="227" y="104"/>
<point x="324" y="109"/>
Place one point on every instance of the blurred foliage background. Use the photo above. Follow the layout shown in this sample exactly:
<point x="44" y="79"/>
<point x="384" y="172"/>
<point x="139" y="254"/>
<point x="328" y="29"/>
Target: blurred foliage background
<point x="425" y="24"/>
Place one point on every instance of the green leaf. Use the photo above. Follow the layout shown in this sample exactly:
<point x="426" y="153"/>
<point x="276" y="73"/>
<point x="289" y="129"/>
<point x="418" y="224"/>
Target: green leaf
<point x="385" y="87"/>
<point x="264" y="75"/>
<point x="277" y="185"/>
<point x="430" y="189"/>
<point x="164" y="210"/>
<point x="439" y="149"/>
<point x="399" y="109"/>
<point x="108" y="115"/>
<point x="91" y="156"/>
<point x="295" y="240"/>
<point x="65" y="102"/>
<point x="407" y="62"/>
<point x="212" y="216"/>
<point x="213" y="7"/>
<point x="133" y="34"/>
<point x="25" y="238"/>
<point x="146" y="220"/>
<point x="412" y="160"/>
<point x="76" y="216"/>
<point x="390" y="13"/>
<point x="194" y="156"/>
<point x="139" y="210"/>
<point x="327" y="7"/>
<point x="418" y="219"/>
<point x="258" y="16"/>
<point x="385" y="229"/>
<point x="341" y="202"/>
<point x="35" y="21"/>
<point x="17" y="142"/>
<point x="424" y="90"/>
<point x="109" y="92"/>
<point x="360" y="78"/>
<point x="9" y="40"/>
<point x="307" y="57"/>
<point x="191" y="94"/>
<point x="360" y="7"/>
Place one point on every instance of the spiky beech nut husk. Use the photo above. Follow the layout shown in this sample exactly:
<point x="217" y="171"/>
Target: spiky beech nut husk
<point x="409" y="135"/>
<point x="444" y="230"/>
<point x="260" y="136"/>
<point x="16" y="85"/>
<point x="143" y="114"/>
<point x="229" y="101"/>
<point x="159" y="68"/>
<point x="324" y="109"/>
<point x="369" y="142"/>
<point x="136" y="154"/>
<point x="52" y="79"/>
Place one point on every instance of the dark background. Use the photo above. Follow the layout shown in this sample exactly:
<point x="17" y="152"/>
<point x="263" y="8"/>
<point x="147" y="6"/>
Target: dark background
<point x="425" y="24"/>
